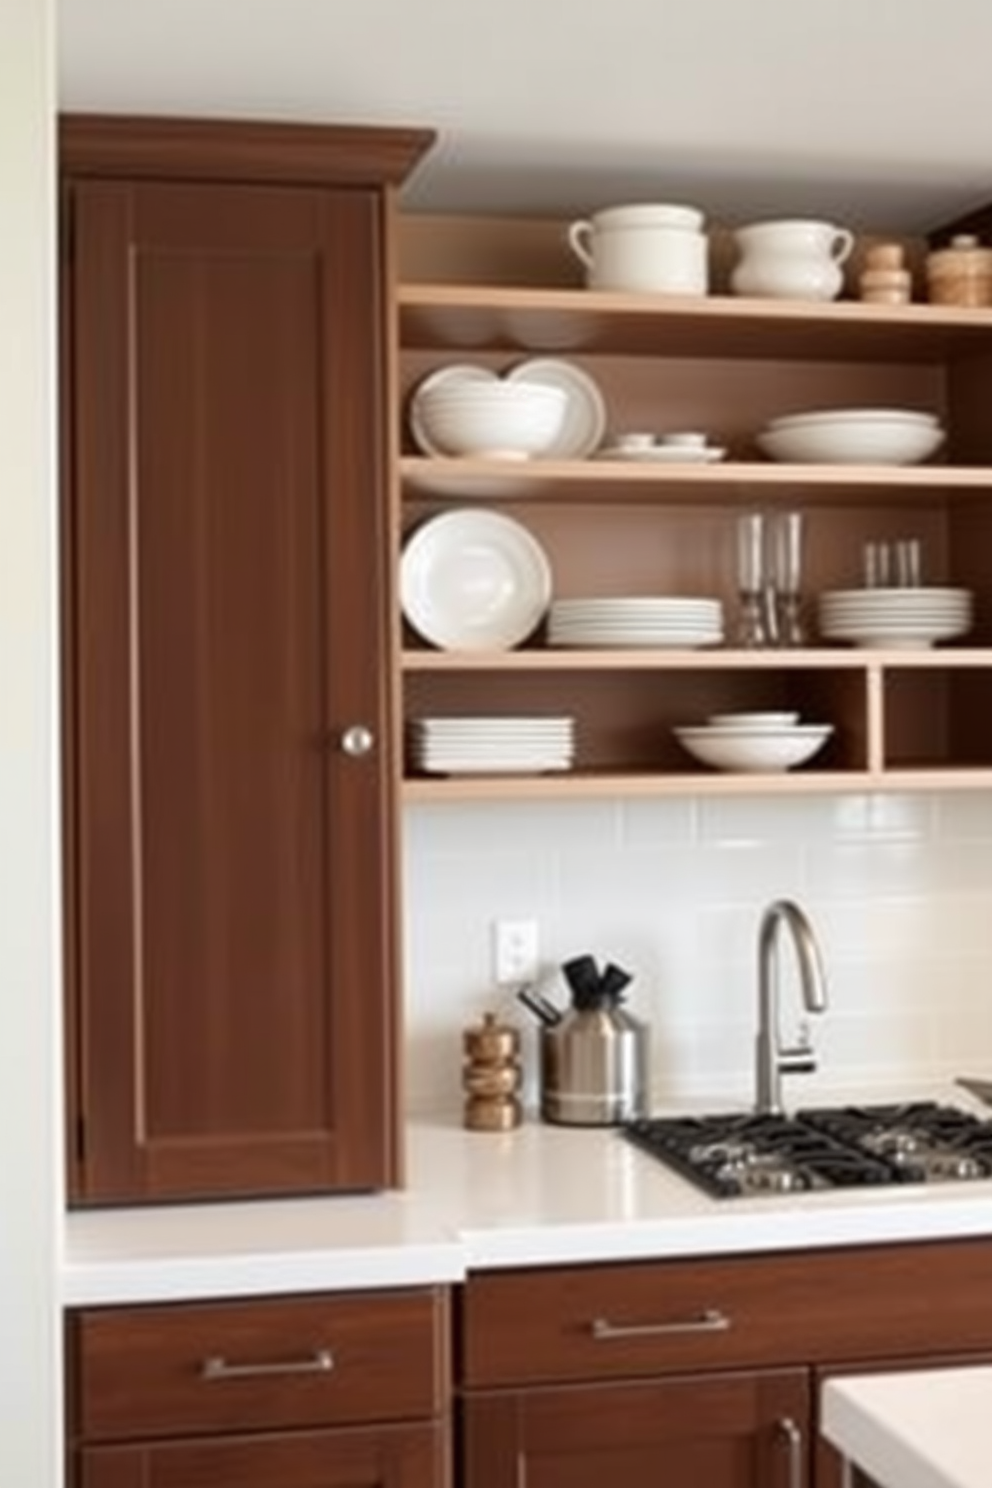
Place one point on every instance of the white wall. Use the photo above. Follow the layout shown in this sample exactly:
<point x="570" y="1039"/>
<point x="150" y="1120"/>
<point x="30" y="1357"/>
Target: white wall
<point x="899" y="888"/>
<point x="30" y="1200"/>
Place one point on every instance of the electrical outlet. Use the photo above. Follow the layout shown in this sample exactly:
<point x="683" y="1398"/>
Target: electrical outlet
<point x="515" y="951"/>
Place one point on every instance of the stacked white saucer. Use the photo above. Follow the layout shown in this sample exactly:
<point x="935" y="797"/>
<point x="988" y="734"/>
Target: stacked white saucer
<point x="531" y="744"/>
<point x="898" y="618"/>
<point x="656" y="620"/>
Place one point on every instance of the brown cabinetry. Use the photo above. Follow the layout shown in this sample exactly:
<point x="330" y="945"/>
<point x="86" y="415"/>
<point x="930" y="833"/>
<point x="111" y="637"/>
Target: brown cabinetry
<point x="309" y="1392"/>
<point x="727" y="1431"/>
<point x="705" y="1371"/>
<point x="229" y="619"/>
<point x="496" y="293"/>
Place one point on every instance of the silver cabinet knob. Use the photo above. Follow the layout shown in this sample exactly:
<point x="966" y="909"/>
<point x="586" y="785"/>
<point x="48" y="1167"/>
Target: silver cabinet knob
<point x="358" y="740"/>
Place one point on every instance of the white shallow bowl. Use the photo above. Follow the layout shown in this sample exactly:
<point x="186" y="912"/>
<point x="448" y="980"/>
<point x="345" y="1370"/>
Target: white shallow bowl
<point x="856" y="441"/>
<point x="830" y="416"/>
<point x="490" y="419"/>
<point x="755" y="751"/>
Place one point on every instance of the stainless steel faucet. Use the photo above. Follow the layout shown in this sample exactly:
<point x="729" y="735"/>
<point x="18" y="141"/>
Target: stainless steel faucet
<point x="772" y="1060"/>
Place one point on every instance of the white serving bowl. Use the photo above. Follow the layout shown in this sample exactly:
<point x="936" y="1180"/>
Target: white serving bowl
<point x="491" y="419"/>
<point x="754" y="751"/>
<point x="858" y="440"/>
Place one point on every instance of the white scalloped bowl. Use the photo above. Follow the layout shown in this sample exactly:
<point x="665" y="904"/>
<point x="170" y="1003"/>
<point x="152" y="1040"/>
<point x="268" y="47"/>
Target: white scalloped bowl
<point x="495" y="420"/>
<point x="756" y="751"/>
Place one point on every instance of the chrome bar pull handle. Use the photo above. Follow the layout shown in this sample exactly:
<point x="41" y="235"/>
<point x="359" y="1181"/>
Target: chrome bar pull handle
<point x="358" y="740"/>
<point x="216" y="1367"/>
<point x="788" y="1429"/>
<point x="710" y="1321"/>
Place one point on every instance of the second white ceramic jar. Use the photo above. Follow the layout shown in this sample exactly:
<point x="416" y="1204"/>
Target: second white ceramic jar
<point x="651" y="249"/>
<point x="794" y="259"/>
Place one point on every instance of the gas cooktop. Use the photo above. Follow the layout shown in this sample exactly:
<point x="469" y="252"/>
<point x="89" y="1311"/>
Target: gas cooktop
<point x="737" y="1154"/>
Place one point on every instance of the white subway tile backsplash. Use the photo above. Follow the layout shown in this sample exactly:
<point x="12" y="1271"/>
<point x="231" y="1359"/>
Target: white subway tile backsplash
<point x="898" y="887"/>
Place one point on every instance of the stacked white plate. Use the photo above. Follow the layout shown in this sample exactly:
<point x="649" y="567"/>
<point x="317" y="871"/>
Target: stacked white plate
<point x="895" y="618"/>
<point x="660" y="620"/>
<point x="526" y="745"/>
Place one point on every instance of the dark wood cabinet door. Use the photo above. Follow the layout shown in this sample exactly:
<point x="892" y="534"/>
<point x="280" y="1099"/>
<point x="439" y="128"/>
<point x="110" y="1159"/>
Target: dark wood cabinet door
<point x="388" y="1457"/>
<point x="689" y="1431"/>
<point x="229" y="583"/>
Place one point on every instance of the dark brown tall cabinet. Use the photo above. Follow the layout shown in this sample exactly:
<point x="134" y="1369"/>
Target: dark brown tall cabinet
<point x="229" y="642"/>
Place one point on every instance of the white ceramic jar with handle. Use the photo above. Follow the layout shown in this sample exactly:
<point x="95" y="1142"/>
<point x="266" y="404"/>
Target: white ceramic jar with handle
<point x="794" y="259"/>
<point x="651" y="249"/>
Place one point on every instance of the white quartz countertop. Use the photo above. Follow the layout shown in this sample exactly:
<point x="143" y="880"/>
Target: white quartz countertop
<point x="539" y="1195"/>
<point x="921" y="1428"/>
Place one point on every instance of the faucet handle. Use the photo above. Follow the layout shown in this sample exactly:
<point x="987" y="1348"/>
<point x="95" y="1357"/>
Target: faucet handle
<point x="800" y="1059"/>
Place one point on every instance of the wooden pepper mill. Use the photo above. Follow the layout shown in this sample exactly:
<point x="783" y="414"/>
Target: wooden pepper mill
<point x="491" y="1076"/>
<point x="885" y="279"/>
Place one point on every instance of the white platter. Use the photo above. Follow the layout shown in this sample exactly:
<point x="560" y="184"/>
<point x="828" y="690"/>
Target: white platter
<point x="585" y="416"/>
<point x="474" y="581"/>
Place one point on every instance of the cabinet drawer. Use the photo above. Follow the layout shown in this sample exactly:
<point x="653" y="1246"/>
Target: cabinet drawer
<point x="598" y="1322"/>
<point x="186" y="1368"/>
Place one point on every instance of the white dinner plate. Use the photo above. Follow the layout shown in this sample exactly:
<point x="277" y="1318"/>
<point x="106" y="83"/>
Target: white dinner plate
<point x="585" y="416"/>
<point x="474" y="581"/>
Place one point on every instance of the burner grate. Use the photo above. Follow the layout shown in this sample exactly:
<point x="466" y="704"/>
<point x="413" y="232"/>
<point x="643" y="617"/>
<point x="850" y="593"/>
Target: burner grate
<point x="733" y="1154"/>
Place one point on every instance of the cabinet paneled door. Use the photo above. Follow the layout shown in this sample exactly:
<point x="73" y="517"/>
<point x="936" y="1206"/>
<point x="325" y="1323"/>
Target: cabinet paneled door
<point x="229" y="762"/>
<point x="384" y="1457"/>
<point x="693" y="1431"/>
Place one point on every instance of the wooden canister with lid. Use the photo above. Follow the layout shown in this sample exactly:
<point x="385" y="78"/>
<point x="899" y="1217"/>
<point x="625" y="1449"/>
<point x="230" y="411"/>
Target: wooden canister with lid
<point x="961" y="273"/>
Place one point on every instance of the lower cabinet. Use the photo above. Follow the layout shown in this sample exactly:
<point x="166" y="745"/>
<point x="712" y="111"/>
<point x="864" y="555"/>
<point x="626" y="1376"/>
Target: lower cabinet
<point x="698" y="1373"/>
<point x="341" y="1391"/>
<point x="380" y="1457"/>
<point x="724" y="1431"/>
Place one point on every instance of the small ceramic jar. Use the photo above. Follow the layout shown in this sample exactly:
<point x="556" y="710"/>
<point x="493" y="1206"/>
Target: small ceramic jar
<point x="961" y="273"/>
<point x="796" y="259"/>
<point x="647" y="248"/>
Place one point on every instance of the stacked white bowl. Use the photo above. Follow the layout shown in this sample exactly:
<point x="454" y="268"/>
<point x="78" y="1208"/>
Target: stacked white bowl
<point x="853" y="436"/>
<point x="754" y="743"/>
<point x="471" y="413"/>
<point x="897" y="618"/>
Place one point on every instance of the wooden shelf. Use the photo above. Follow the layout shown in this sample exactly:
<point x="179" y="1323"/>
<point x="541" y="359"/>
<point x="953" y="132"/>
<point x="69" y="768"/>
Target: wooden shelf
<point x="805" y="659"/>
<point x="612" y="481"/>
<point x="571" y="322"/>
<point x="724" y="364"/>
<point x="578" y="786"/>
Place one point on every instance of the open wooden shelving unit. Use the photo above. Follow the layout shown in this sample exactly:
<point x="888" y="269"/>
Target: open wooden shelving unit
<point x="498" y="292"/>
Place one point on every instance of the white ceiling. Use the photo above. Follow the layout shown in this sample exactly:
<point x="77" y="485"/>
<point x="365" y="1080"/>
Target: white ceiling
<point x="877" y="113"/>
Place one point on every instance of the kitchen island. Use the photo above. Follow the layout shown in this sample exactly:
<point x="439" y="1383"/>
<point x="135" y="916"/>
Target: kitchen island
<point x="924" y="1428"/>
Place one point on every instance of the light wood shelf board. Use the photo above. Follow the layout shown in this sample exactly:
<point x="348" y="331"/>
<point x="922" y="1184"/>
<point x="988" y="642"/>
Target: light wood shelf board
<point x="723" y="483"/>
<point x="574" y="321"/>
<point x="811" y="659"/>
<point x="578" y="787"/>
